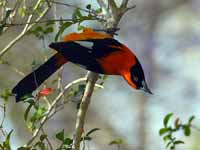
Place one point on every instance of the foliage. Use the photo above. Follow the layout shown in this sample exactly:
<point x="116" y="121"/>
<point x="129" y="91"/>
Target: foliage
<point x="6" y="144"/>
<point x="168" y="131"/>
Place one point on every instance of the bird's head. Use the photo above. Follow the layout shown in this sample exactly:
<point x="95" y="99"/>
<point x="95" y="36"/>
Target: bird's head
<point x="135" y="77"/>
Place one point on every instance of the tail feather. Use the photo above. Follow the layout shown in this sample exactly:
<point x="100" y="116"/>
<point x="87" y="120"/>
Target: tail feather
<point x="37" y="77"/>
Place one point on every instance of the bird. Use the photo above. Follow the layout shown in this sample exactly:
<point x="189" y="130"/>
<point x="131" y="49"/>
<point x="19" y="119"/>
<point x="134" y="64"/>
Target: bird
<point x="95" y="51"/>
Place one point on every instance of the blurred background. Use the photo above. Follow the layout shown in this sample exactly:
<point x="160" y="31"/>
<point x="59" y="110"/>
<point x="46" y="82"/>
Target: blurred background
<point x="164" y="35"/>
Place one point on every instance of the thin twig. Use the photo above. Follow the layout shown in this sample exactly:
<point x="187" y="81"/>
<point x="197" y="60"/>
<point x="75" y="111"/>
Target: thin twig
<point x="25" y="30"/>
<point x="49" y="112"/>
<point x="130" y="8"/>
<point x="72" y="6"/>
<point x="47" y="139"/>
<point x="124" y="4"/>
<point x="43" y="21"/>
<point x="4" y="117"/>
<point x="13" y="16"/>
<point x="48" y="3"/>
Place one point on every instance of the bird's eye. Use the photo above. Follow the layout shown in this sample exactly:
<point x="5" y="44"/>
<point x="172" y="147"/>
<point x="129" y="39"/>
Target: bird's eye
<point x="135" y="79"/>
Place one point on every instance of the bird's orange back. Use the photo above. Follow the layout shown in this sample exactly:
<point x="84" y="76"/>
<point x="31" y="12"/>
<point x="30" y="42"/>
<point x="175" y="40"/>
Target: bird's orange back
<point x="87" y="33"/>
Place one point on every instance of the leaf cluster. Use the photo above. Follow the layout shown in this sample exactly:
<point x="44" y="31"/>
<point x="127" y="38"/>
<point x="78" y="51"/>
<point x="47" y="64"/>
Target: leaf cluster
<point x="168" y="130"/>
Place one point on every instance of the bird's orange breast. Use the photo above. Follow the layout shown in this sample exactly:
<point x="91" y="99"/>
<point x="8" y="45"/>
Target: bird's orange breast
<point x="118" y="62"/>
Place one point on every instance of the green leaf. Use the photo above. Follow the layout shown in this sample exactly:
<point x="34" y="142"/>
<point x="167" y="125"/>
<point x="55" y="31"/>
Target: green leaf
<point x="187" y="130"/>
<point x="92" y="131"/>
<point x="191" y="119"/>
<point x="76" y="15"/>
<point x="6" y="94"/>
<point x="6" y="143"/>
<point x="80" y="27"/>
<point x="178" y="142"/>
<point x="24" y="148"/>
<point x="163" y="131"/>
<point x="27" y="98"/>
<point x="172" y="147"/>
<point x="38" y="114"/>
<point x="62" y="29"/>
<point x="48" y="30"/>
<point x="89" y="6"/>
<point x="167" y="137"/>
<point x="28" y="110"/>
<point x="40" y="145"/>
<point x="166" y="119"/>
<point x="31" y="125"/>
<point x="168" y="144"/>
<point x="22" y="11"/>
<point x="60" y="135"/>
<point x="68" y="141"/>
<point x="42" y="137"/>
<point x="99" y="10"/>
<point x="116" y="142"/>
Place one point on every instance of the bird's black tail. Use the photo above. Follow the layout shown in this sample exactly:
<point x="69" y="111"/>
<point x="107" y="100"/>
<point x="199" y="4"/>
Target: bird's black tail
<point x="37" y="77"/>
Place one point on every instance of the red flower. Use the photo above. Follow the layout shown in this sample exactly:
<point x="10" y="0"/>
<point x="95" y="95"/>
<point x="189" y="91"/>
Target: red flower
<point x="45" y="92"/>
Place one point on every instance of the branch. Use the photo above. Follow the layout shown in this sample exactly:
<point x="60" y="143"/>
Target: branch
<point x="113" y="6"/>
<point x="113" y="20"/>
<point x="81" y="115"/>
<point x="34" y="22"/>
<point x="25" y="30"/>
<point x="50" y="113"/>
<point x="124" y="4"/>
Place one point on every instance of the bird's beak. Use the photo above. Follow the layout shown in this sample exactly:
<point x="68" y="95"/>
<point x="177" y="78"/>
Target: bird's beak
<point x="145" y="88"/>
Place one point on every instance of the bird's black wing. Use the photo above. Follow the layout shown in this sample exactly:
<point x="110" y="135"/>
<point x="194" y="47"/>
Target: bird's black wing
<point x="87" y="55"/>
